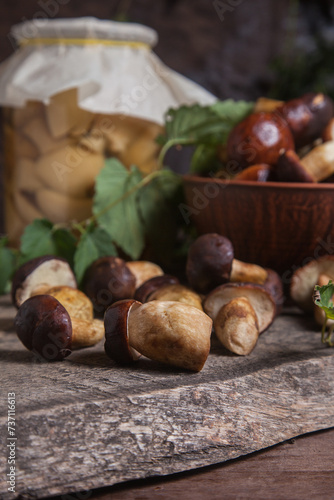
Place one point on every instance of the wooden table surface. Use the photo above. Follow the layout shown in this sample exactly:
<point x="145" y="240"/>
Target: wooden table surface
<point x="297" y="469"/>
<point x="84" y="423"/>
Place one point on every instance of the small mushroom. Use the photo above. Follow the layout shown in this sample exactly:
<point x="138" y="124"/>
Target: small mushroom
<point x="328" y="133"/>
<point x="143" y="270"/>
<point x="171" y="332"/>
<point x="108" y="280"/>
<point x="116" y="325"/>
<point x="38" y="275"/>
<point x="319" y="162"/>
<point x="150" y="286"/>
<point x="307" y="116"/>
<point x="177" y="293"/>
<point x="45" y="326"/>
<point x="259" y="138"/>
<point x="261" y="301"/>
<point x="306" y="277"/>
<point x="211" y="262"/>
<point x="236" y="326"/>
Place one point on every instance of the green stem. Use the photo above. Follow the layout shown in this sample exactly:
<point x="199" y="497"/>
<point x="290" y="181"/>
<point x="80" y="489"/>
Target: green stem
<point x="144" y="182"/>
<point x="169" y="144"/>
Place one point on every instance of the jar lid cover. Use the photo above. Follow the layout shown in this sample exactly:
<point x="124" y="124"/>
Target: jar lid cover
<point x="83" y="28"/>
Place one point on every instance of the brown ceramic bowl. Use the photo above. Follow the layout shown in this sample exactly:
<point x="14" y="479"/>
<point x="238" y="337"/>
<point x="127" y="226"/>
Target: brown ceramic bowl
<point x="275" y="224"/>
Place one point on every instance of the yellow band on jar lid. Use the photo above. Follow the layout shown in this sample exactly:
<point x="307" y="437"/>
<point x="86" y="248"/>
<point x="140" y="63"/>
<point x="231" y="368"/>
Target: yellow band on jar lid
<point x="84" y="41"/>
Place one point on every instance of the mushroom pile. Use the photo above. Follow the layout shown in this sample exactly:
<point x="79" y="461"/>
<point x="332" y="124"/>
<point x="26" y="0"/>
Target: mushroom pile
<point x="145" y="311"/>
<point x="285" y="142"/>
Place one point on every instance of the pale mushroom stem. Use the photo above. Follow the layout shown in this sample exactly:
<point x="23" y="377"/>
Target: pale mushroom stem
<point x="245" y="272"/>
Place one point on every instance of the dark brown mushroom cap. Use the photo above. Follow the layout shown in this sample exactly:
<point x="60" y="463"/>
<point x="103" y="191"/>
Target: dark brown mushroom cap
<point x="108" y="280"/>
<point x="116" y="344"/>
<point x="209" y="262"/>
<point x="151" y="285"/>
<point x="261" y="301"/>
<point x="40" y="273"/>
<point x="259" y="138"/>
<point x="290" y="169"/>
<point x="307" y="116"/>
<point x="44" y="326"/>
<point x="305" y="278"/>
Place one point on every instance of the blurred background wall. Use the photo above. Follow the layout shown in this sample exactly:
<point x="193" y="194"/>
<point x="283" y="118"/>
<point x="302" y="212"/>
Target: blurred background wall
<point x="234" y="48"/>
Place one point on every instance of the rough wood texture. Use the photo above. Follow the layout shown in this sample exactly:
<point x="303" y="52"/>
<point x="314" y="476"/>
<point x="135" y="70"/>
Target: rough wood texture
<point x="85" y="423"/>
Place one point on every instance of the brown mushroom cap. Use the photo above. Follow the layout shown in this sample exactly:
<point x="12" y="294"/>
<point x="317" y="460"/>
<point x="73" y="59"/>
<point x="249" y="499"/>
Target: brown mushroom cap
<point x="116" y="324"/>
<point x="44" y="326"/>
<point x="38" y="275"/>
<point x="307" y="116"/>
<point x="259" y="138"/>
<point x="261" y="301"/>
<point x="209" y="262"/>
<point x="258" y="173"/>
<point x="108" y="280"/>
<point x="274" y="286"/>
<point x="143" y="293"/>
<point x="289" y="168"/>
<point x="305" y="278"/>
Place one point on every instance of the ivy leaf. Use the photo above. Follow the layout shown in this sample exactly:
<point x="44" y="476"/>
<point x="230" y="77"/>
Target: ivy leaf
<point x="42" y="238"/>
<point x="93" y="244"/>
<point x="115" y="206"/>
<point x="7" y="264"/>
<point x="37" y="240"/>
<point x="322" y="297"/>
<point x="203" y="126"/>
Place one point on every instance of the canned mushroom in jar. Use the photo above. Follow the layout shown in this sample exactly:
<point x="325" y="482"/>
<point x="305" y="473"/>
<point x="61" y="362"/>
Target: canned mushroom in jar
<point x="54" y="152"/>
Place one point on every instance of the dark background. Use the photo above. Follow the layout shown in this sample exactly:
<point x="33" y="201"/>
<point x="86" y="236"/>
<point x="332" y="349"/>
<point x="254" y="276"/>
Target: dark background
<point x="235" y="48"/>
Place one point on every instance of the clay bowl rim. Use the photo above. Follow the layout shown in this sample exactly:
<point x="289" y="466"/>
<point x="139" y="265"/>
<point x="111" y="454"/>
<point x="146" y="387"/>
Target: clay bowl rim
<point x="270" y="184"/>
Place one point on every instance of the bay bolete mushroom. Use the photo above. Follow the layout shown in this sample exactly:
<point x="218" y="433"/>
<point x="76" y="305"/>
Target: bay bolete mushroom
<point x="211" y="262"/>
<point x="306" y="277"/>
<point x="177" y="293"/>
<point x="261" y="301"/>
<point x="166" y="331"/>
<point x="45" y="326"/>
<point x="37" y="275"/>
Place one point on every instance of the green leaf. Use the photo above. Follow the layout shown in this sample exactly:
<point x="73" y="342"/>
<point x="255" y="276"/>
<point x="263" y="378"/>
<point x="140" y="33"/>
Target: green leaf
<point x="204" y="160"/>
<point x="41" y="237"/>
<point x="203" y="126"/>
<point x="7" y="264"/>
<point x="65" y="244"/>
<point x="94" y="243"/>
<point x="115" y="206"/>
<point x="323" y="298"/>
<point x="37" y="240"/>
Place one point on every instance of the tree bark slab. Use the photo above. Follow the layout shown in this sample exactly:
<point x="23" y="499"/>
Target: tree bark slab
<point x="85" y="423"/>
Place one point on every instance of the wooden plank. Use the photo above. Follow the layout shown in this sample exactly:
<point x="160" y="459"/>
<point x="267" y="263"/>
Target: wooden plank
<point x="85" y="423"/>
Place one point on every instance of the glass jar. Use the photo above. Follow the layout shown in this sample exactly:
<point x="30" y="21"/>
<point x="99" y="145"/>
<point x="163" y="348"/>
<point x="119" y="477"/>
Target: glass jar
<point x="76" y="92"/>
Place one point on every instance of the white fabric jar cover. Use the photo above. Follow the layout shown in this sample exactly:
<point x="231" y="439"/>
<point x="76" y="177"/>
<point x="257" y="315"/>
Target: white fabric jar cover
<point x="110" y="63"/>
